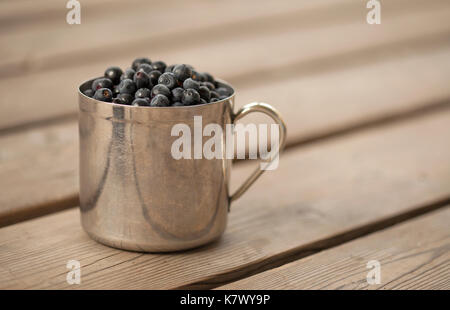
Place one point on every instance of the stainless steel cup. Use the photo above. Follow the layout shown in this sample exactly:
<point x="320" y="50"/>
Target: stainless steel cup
<point x="134" y="195"/>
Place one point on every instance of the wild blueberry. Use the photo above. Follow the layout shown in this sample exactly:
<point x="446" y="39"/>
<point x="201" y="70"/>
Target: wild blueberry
<point x="209" y="85"/>
<point x="178" y="104"/>
<point x="102" y="83"/>
<point x="127" y="86"/>
<point x="113" y="73"/>
<point x="125" y="98"/>
<point x="197" y="76"/>
<point x="168" y="79"/>
<point x="222" y="91"/>
<point x="177" y="94"/>
<point x="214" y="94"/>
<point x="139" y="61"/>
<point x="103" y="94"/>
<point x="143" y="93"/>
<point x="161" y="89"/>
<point x="89" y="92"/>
<point x="115" y="90"/>
<point x="140" y="102"/>
<point x="145" y="67"/>
<point x="208" y="77"/>
<point x="214" y="99"/>
<point x="190" y="83"/>
<point x="154" y="76"/>
<point x="182" y="72"/>
<point x="159" y="65"/>
<point x="191" y="97"/>
<point x="128" y="74"/>
<point x="203" y="101"/>
<point x="160" y="101"/>
<point x="116" y="100"/>
<point x="142" y="80"/>
<point x="169" y="68"/>
<point x="204" y="93"/>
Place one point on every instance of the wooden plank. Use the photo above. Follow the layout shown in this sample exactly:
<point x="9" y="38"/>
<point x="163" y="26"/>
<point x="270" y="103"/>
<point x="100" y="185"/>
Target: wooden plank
<point x="18" y="14"/>
<point x="253" y="60"/>
<point x="353" y="96"/>
<point x="412" y="255"/>
<point x="40" y="171"/>
<point x="320" y="195"/>
<point x="46" y="44"/>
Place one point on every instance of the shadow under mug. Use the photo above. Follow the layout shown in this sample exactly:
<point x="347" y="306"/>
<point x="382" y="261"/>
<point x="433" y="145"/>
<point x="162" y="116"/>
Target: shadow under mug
<point x="134" y="195"/>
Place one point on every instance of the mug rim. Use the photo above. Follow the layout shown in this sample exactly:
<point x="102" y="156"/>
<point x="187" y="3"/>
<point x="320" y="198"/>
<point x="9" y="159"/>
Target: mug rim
<point x="95" y="101"/>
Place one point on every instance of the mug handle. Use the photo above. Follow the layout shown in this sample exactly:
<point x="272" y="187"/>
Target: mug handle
<point x="275" y="115"/>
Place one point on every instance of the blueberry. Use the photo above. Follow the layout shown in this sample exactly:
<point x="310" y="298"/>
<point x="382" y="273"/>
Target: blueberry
<point x="115" y="90"/>
<point x="161" y="89"/>
<point x="204" y="93"/>
<point x="89" y="92"/>
<point x="203" y="101"/>
<point x="159" y="65"/>
<point x="102" y="83"/>
<point x="197" y="76"/>
<point x="154" y="76"/>
<point x="209" y="85"/>
<point x="182" y="72"/>
<point x="214" y="99"/>
<point x="169" y="68"/>
<point x="191" y="97"/>
<point x="214" y="94"/>
<point x="103" y="94"/>
<point x="139" y="61"/>
<point x="223" y="97"/>
<point x="190" y="83"/>
<point x="145" y="67"/>
<point x="160" y="101"/>
<point x="116" y="100"/>
<point x="143" y="93"/>
<point x="168" y="79"/>
<point x="127" y="86"/>
<point x="142" y="80"/>
<point x="208" y="77"/>
<point x="114" y="74"/>
<point x="178" y="104"/>
<point x="140" y="102"/>
<point x="222" y="91"/>
<point x="128" y="74"/>
<point x="177" y="94"/>
<point x="125" y="98"/>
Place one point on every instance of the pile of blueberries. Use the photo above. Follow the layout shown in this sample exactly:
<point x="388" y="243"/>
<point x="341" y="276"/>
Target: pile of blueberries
<point x="154" y="84"/>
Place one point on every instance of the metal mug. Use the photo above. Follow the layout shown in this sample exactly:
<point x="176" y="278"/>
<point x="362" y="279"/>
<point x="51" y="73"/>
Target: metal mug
<point x="134" y="195"/>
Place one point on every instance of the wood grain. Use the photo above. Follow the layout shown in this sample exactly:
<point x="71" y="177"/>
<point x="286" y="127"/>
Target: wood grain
<point x="232" y="19"/>
<point x="40" y="171"/>
<point x="256" y="58"/>
<point x="321" y="195"/>
<point x="412" y="255"/>
<point x="43" y="161"/>
<point x="138" y="27"/>
<point x="21" y="14"/>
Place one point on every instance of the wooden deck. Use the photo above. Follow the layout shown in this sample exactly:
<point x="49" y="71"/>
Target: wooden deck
<point x="366" y="173"/>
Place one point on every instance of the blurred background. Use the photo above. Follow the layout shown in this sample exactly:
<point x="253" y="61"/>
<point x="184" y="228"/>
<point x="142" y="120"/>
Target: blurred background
<point x="321" y="63"/>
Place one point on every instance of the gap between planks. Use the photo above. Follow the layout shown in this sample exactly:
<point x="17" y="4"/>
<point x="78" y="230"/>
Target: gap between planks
<point x="317" y="118"/>
<point x="151" y="33"/>
<point x="369" y="45"/>
<point x="350" y="186"/>
<point x="248" y="23"/>
<point x="413" y="255"/>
